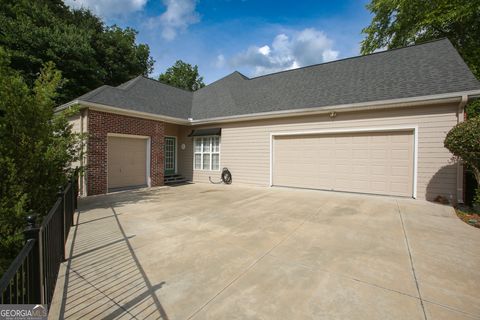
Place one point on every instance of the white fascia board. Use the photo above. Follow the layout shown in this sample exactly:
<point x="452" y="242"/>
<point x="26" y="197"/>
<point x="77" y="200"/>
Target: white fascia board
<point x="453" y="97"/>
<point x="126" y="112"/>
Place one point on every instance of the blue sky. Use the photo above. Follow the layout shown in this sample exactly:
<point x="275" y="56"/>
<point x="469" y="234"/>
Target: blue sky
<point x="252" y="36"/>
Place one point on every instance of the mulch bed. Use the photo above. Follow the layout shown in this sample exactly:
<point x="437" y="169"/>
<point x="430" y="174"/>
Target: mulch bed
<point x="469" y="217"/>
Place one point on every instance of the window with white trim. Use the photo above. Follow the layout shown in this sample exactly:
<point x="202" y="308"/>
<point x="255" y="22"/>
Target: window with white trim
<point x="206" y="153"/>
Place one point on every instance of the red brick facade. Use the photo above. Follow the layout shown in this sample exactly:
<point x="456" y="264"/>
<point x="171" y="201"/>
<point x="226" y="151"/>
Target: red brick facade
<point x="99" y="125"/>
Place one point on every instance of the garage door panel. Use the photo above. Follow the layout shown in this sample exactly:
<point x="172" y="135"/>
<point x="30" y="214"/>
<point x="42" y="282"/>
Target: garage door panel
<point x="398" y="187"/>
<point x="126" y="164"/>
<point x="399" y="171"/>
<point x="378" y="186"/>
<point x="361" y="169"/>
<point x="380" y="163"/>
<point x="400" y="154"/>
<point x="360" y="154"/>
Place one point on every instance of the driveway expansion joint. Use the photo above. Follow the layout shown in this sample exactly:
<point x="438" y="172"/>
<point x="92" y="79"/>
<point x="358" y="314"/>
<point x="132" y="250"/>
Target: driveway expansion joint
<point x="252" y="265"/>
<point x="411" y="260"/>
<point x="344" y="276"/>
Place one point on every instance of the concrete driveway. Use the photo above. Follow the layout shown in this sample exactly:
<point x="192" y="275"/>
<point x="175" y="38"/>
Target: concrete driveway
<point x="231" y="252"/>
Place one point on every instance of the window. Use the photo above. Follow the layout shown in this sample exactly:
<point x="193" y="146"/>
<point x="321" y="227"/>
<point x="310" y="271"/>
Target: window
<point x="207" y="153"/>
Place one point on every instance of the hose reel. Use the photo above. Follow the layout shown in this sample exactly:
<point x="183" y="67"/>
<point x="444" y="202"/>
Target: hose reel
<point x="226" y="177"/>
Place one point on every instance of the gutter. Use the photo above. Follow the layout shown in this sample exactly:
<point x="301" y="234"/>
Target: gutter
<point x="132" y="113"/>
<point x="454" y="97"/>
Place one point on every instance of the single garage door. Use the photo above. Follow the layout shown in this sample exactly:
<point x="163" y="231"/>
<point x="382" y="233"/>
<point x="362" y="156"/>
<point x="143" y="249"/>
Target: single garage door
<point x="127" y="162"/>
<point x="374" y="162"/>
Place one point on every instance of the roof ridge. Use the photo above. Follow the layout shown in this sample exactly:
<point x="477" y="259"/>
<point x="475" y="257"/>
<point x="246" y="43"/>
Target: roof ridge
<point x="351" y="58"/>
<point x="95" y="92"/>
<point x="129" y="83"/>
<point x="228" y="75"/>
<point x="165" y="84"/>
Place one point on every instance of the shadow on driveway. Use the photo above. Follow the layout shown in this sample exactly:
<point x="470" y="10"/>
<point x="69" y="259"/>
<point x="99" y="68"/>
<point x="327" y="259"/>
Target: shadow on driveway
<point x="103" y="277"/>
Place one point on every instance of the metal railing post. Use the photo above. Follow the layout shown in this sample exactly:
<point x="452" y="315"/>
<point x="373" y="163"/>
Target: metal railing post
<point x="72" y="206"/>
<point x="35" y="267"/>
<point x="61" y="195"/>
<point x="76" y="176"/>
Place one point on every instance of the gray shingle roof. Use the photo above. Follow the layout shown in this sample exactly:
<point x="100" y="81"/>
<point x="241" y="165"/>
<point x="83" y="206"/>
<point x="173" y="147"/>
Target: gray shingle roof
<point x="426" y="69"/>
<point x="145" y="95"/>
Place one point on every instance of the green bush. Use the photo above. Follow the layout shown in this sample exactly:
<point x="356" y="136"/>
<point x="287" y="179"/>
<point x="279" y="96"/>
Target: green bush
<point x="463" y="141"/>
<point x="473" y="109"/>
<point x="37" y="149"/>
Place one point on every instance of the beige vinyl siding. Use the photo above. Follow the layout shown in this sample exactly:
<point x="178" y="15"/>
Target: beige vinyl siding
<point x="185" y="159"/>
<point x="80" y="126"/>
<point x="185" y="156"/>
<point x="245" y="146"/>
<point x="76" y="123"/>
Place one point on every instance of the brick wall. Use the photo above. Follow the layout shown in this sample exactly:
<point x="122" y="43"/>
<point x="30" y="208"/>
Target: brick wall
<point x="102" y="123"/>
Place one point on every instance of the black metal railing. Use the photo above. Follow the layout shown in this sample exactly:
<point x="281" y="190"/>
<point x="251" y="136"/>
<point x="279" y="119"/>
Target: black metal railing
<point x="32" y="276"/>
<point x="17" y="283"/>
<point x="52" y="251"/>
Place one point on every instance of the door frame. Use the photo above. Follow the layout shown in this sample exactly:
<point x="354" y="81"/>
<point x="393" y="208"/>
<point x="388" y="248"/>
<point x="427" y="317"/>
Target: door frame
<point x="413" y="128"/>
<point x="175" y="153"/>
<point x="149" y="151"/>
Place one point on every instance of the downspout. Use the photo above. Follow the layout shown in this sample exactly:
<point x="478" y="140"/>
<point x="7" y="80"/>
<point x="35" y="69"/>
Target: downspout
<point x="460" y="171"/>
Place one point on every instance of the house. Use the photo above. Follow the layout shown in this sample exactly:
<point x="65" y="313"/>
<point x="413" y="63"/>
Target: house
<point x="370" y="124"/>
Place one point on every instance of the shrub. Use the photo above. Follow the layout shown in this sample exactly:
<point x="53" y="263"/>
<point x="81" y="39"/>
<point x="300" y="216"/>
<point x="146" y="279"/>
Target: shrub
<point x="463" y="141"/>
<point x="37" y="148"/>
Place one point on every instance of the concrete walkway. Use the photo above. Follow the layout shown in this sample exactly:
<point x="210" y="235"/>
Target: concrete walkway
<point x="230" y="252"/>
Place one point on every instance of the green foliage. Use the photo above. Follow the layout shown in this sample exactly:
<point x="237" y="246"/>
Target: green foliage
<point x="463" y="141"/>
<point x="401" y="23"/>
<point x="88" y="53"/>
<point x="36" y="151"/>
<point x="397" y="23"/>
<point x="182" y="75"/>
<point x="473" y="109"/>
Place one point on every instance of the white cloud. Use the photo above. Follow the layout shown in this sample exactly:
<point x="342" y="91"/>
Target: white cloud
<point x="265" y="50"/>
<point x="329" y="55"/>
<point x="220" y="61"/>
<point x="302" y="48"/>
<point x="177" y="17"/>
<point x="108" y="8"/>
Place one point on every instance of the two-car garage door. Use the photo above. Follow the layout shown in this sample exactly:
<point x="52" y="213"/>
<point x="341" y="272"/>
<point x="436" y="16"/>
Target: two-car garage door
<point x="368" y="162"/>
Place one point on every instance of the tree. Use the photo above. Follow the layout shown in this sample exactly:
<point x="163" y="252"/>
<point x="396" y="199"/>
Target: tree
<point x="401" y="23"/>
<point x="36" y="151"/>
<point x="88" y="53"/>
<point x="182" y="75"/>
<point x="463" y="141"/>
